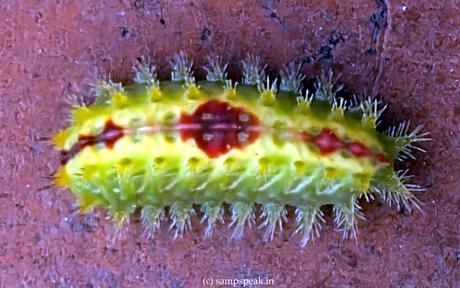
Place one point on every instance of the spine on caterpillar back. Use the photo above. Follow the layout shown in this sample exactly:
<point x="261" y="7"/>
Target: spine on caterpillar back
<point x="178" y="143"/>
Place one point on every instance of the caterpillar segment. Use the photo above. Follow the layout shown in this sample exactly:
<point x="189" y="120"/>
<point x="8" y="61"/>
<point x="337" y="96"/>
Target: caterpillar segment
<point x="181" y="143"/>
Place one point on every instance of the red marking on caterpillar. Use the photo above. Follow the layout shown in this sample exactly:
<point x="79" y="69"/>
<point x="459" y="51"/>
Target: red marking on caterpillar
<point x="305" y="136"/>
<point x="382" y="158"/>
<point x="358" y="149"/>
<point x="328" y="142"/>
<point x="109" y="136"/>
<point x="217" y="127"/>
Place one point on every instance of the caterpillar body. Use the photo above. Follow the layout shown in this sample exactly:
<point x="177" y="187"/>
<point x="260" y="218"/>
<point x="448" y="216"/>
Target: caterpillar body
<point x="177" y="143"/>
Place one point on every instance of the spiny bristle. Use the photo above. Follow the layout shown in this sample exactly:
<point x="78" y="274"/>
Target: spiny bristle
<point x="291" y="78"/>
<point x="105" y="88"/>
<point x="145" y="72"/>
<point x="404" y="139"/>
<point x="309" y="221"/>
<point x="119" y="218"/>
<point x="339" y="104"/>
<point x="395" y="190"/>
<point x="242" y="213"/>
<point x="74" y="101"/>
<point x="276" y="178"/>
<point x="371" y="110"/>
<point x="182" y="69"/>
<point x="329" y="188"/>
<point x="268" y="91"/>
<point x="368" y="196"/>
<point x="404" y="176"/>
<point x="253" y="72"/>
<point x="408" y="199"/>
<point x="180" y="214"/>
<point x="216" y="71"/>
<point x="305" y="182"/>
<point x="213" y="213"/>
<point x="151" y="218"/>
<point x="399" y="200"/>
<point x="304" y="100"/>
<point x="274" y="214"/>
<point x="402" y="130"/>
<point x="326" y="88"/>
<point x="174" y="180"/>
<point x="345" y="218"/>
<point x="266" y="86"/>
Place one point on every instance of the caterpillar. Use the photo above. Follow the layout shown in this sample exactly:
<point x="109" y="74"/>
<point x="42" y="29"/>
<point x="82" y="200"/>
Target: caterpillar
<point x="185" y="143"/>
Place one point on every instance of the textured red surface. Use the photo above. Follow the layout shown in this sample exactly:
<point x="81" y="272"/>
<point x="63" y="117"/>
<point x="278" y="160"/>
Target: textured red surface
<point x="219" y="127"/>
<point x="109" y="136"/>
<point x="406" y="52"/>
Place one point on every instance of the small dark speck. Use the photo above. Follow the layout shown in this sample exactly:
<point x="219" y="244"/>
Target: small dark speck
<point x="273" y="15"/>
<point x="38" y="17"/>
<point x="371" y="52"/>
<point x="309" y="60"/>
<point x="162" y="22"/>
<point x="336" y="38"/>
<point x="124" y="32"/>
<point x="205" y="33"/>
<point x="325" y="51"/>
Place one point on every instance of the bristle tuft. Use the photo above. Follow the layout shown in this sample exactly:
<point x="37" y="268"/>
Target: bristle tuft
<point x="339" y="104"/>
<point x="145" y="72"/>
<point x="151" y="218"/>
<point x="119" y="218"/>
<point x="242" y="214"/>
<point x="268" y="91"/>
<point x="213" y="213"/>
<point x="393" y="187"/>
<point x="274" y="214"/>
<point x="346" y="218"/>
<point x="76" y="100"/>
<point x="326" y="88"/>
<point x="180" y="218"/>
<point x="404" y="140"/>
<point x="107" y="88"/>
<point x="253" y="72"/>
<point x="309" y="221"/>
<point x="304" y="101"/>
<point x="291" y="78"/>
<point x="216" y="71"/>
<point x="182" y="69"/>
<point x="368" y="196"/>
<point x="372" y="111"/>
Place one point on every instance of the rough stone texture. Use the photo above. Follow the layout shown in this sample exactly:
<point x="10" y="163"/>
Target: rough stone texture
<point x="406" y="52"/>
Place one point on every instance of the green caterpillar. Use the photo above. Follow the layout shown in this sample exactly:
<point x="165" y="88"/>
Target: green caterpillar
<point x="178" y="143"/>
